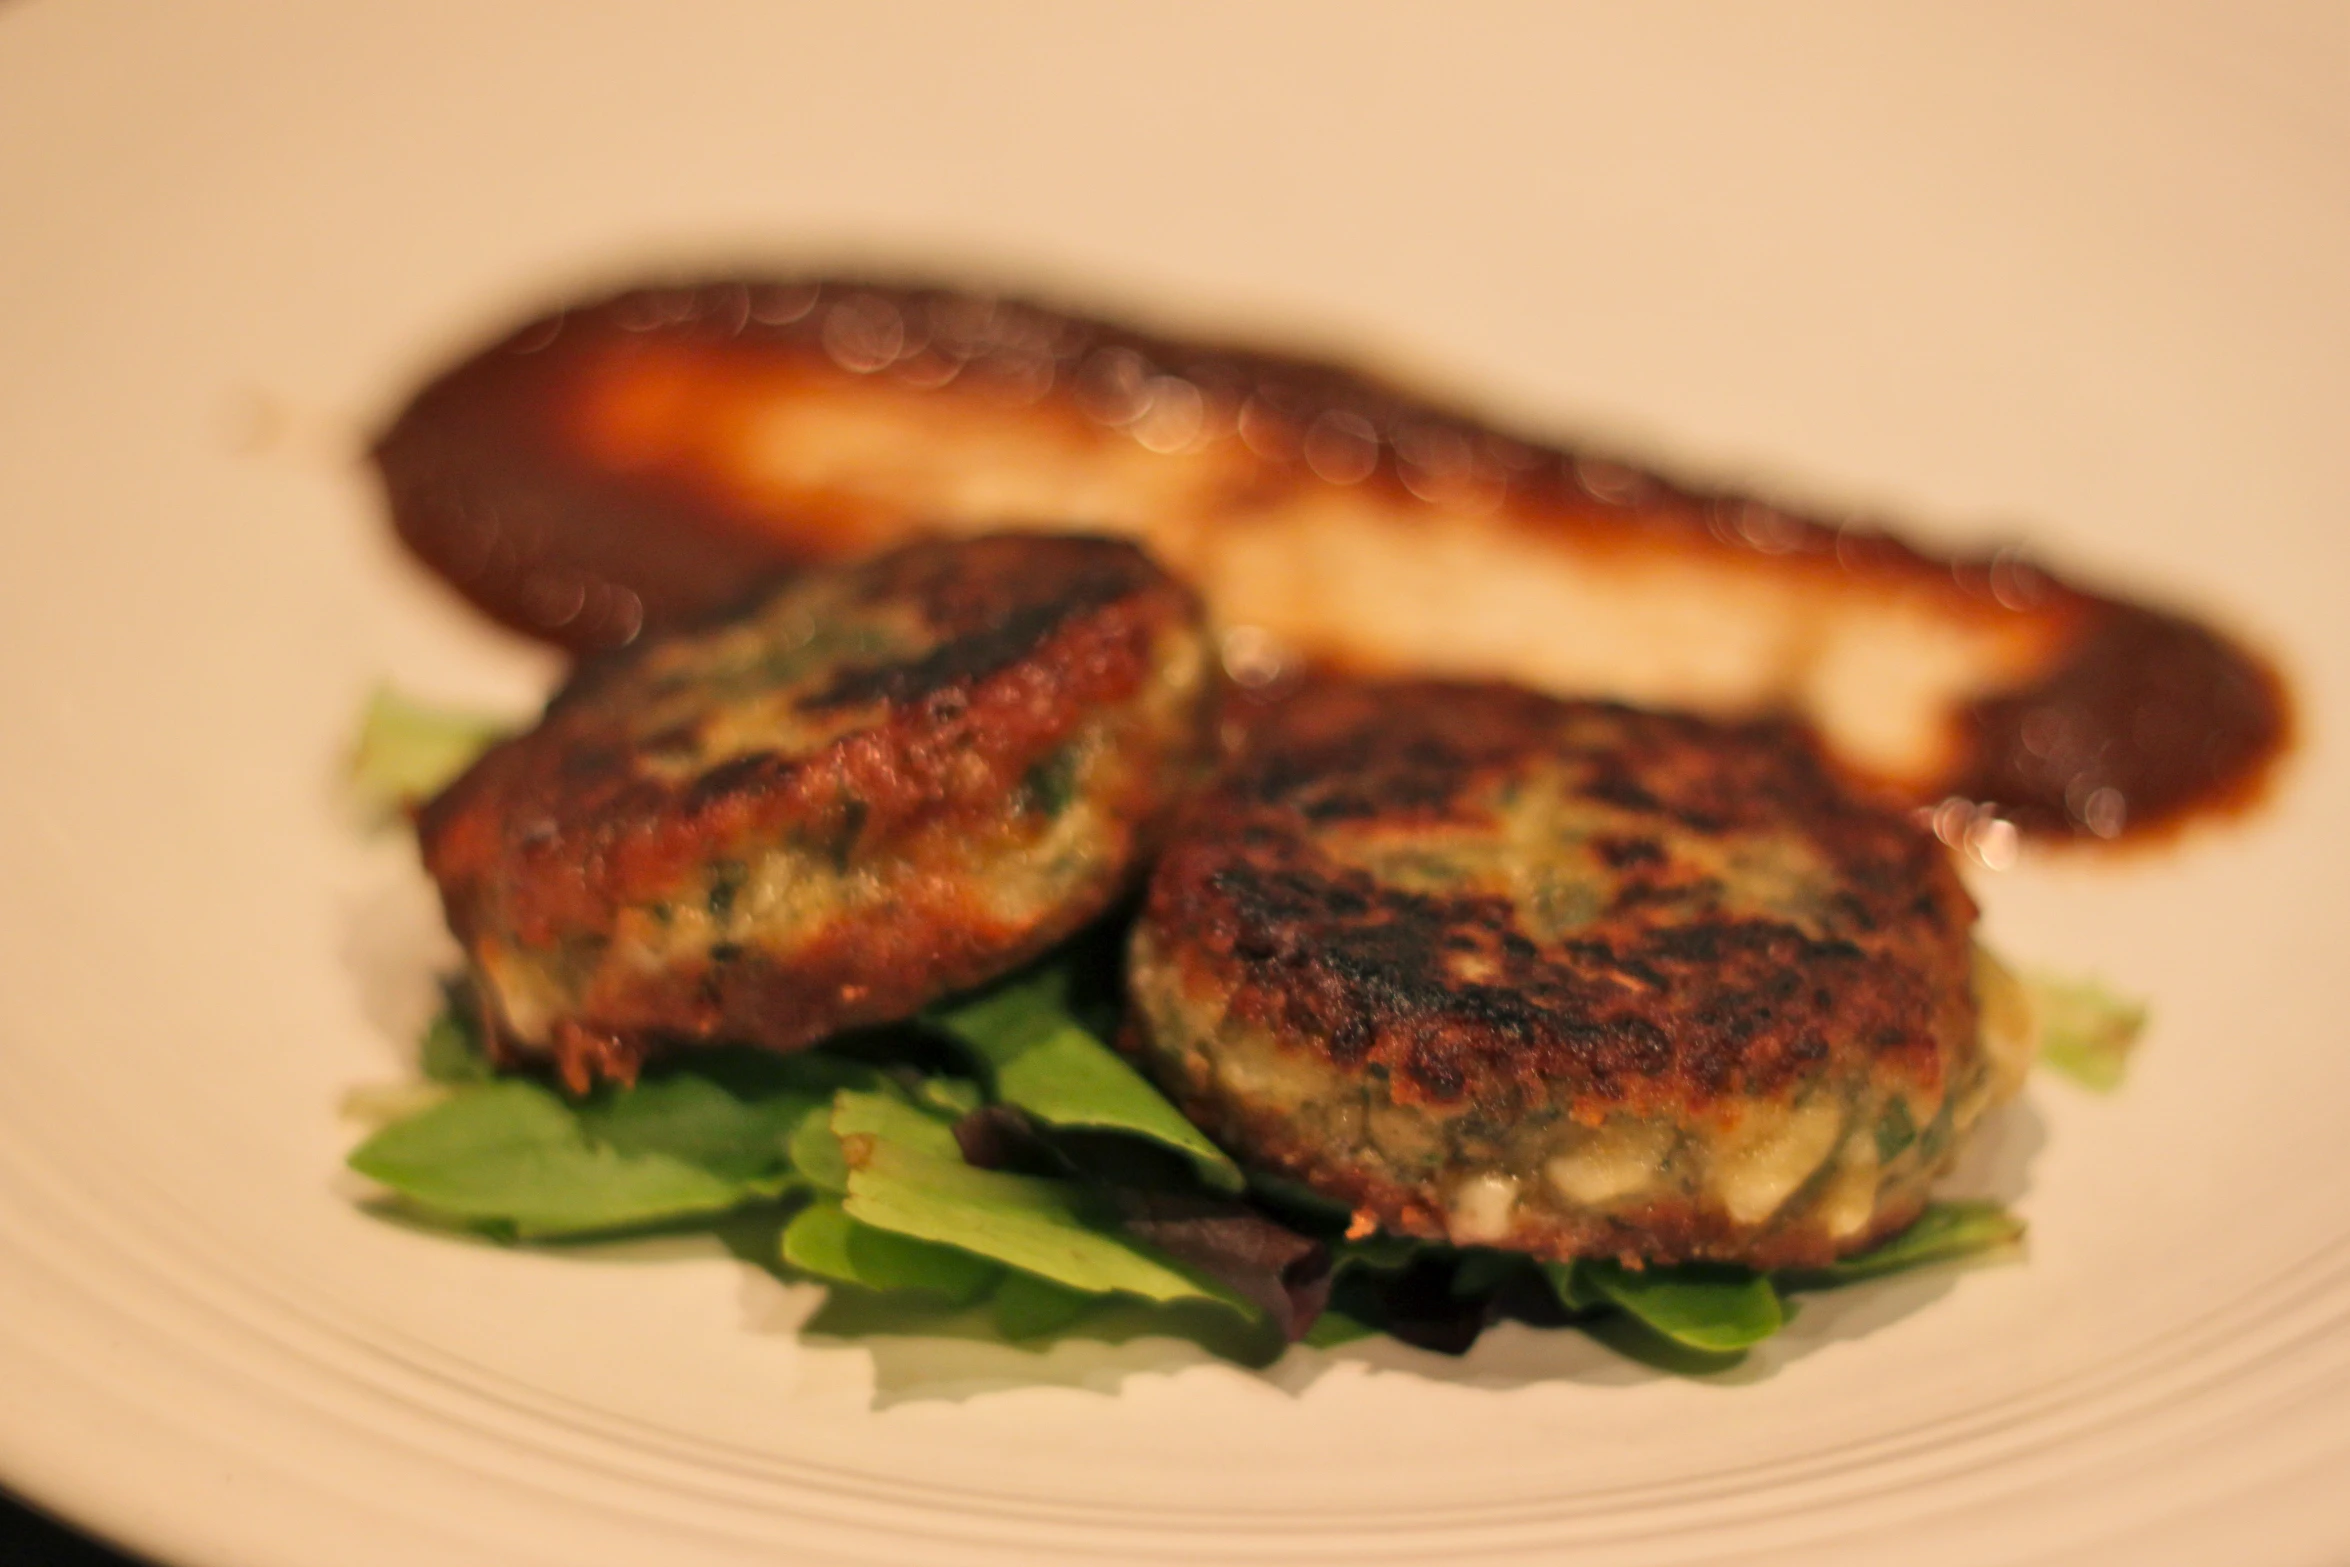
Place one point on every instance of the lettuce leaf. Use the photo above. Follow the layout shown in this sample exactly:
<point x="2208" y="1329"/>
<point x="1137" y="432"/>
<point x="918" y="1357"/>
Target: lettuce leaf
<point x="1423" y="1293"/>
<point x="822" y="1239"/>
<point x="514" y="1153"/>
<point x="2086" y="1031"/>
<point x="1718" y="1310"/>
<point x="1040" y="1058"/>
<point x="694" y="1116"/>
<point x="408" y="751"/>
<point x="1334" y="1329"/>
<point x="868" y="1116"/>
<point x="451" y="1050"/>
<point x="1283" y="1274"/>
<point x="1944" y="1232"/>
<point x="1436" y="1296"/>
<point x="1027" y="1307"/>
<point x="816" y="1154"/>
<point x="1044" y="1227"/>
<point x="1574" y="1292"/>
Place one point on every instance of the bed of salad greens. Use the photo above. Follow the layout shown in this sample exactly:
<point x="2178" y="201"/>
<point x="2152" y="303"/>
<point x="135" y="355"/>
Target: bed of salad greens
<point x="995" y="1160"/>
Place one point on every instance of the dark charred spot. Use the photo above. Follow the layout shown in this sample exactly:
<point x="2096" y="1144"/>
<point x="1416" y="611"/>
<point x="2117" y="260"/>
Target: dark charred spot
<point x="993" y="604"/>
<point x="739" y="775"/>
<point x="1852" y="911"/>
<point x="1635" y="968"/>
<point x="1048" y="787"/>
<point x="1622" y="853"/>
<point x="678" y="740"/>
<point x="726" y="882"/>
<point x="853" y="812"/>
<point x="963" y="659"/>
<point x="962" y="590"/>
<point x="1617" y="790"/>
<point x="589" y="763"/>
<point x="1634" y="895"/>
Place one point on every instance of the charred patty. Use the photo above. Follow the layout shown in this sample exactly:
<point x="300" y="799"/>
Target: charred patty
<point x="883" y="783"/>
<point x="1568" y="977"/>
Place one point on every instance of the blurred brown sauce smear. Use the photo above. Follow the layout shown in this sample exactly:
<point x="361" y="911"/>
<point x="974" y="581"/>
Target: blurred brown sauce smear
<point x="647" y="459"/>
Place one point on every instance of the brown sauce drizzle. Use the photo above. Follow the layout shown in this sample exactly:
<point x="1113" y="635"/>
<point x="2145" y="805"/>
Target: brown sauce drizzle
<point x="515" y="475"/>
<point x="2152" y="718"/>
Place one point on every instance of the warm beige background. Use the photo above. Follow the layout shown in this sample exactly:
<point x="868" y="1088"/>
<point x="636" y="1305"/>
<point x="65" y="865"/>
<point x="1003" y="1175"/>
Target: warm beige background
<point x="2066" y="271"/>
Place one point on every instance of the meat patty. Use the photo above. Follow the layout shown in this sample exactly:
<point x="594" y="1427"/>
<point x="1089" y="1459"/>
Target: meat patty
<point x="1569" y="978"/>
<point x="883" y="783"/>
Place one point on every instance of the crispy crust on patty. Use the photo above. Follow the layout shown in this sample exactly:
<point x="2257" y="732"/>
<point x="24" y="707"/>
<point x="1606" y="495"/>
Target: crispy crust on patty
<point x="884" y="783"/>
<point x="1428" y="934"/>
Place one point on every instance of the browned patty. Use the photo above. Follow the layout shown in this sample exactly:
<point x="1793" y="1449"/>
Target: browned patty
<point x="883" y="783"/>
<point x="1567" y="977"/>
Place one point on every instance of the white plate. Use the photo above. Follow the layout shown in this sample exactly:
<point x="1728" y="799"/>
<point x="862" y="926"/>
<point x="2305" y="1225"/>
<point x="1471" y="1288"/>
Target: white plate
<point x="2076" y="272"/>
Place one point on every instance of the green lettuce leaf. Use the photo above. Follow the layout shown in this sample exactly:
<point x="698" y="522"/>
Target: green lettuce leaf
<point x="1027" y="1307"/>
<point x="686" y="1142"/>
<point x="1946" y="1230"/>
<point x="1040" y="1058"/>
<point x="1575" y="1294"/>
<point x="1715" y="1309"/>
<point x="1722" y="1310"/>
<point x="451" y="1050"/>
<point x="1038" y="1226"/>
<point x="1423" y="1293"/>
<point x="688" y="1116"/>
<point x="515" y="1153"/>
<point x="2086" y="1031"/>
<point x="1480" y="1272"/>
<point x="1300" y="1207"/>
<point x="816" y="1154"/>
<point x="1334" y="1328"/>
<point x="407" y="751"/>
<point x="822" y="1239"/>
<point x="886" y="1116"/>
<point x="952" y="1097"/>
<point x="1381" y="1252"/>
